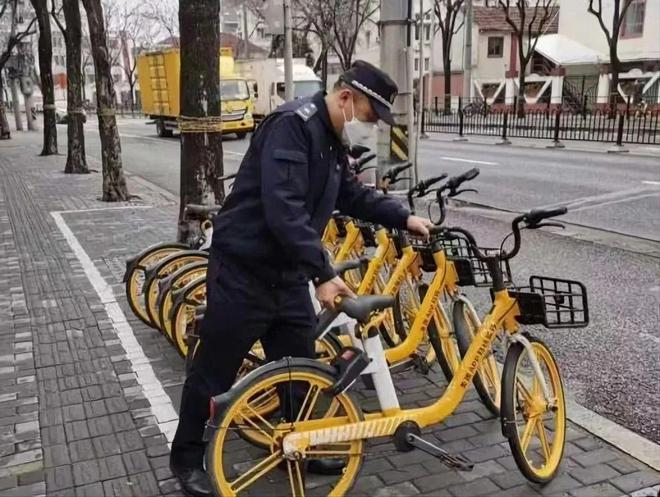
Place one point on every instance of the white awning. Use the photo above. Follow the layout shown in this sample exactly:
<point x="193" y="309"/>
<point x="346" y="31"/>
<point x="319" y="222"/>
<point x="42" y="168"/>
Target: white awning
<point x="565" y="51"/>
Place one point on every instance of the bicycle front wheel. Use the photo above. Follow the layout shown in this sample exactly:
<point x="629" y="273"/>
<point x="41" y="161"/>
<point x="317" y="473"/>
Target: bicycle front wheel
<point x="535" y="424"/>
<point x="237" y="468"/>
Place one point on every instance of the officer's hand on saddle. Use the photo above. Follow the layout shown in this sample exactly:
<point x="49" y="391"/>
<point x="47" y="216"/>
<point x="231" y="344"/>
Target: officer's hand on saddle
<point x="327" y="293"/>
<point x="419" y="225"/>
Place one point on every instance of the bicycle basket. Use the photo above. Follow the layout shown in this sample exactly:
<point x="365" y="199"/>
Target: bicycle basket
<point x="471" y="270"/>
<point x="367" y="232"/>
<point x="425" y="250"/>
<point x="552" y="302"/>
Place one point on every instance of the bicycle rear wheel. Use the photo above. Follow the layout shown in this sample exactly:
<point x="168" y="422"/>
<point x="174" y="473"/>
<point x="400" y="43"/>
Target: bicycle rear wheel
<point x="487" y="382"/>
<point x="238" y="468"/>
<point x="164" y="268"/>
<point x="134" y="276"/>
<point x="441" y="335"/>
<point x="534" y="425"/>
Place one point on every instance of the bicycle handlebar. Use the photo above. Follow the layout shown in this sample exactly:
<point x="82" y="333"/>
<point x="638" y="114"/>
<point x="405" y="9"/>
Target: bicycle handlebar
<point x="421" y="189"/>
<point x="357" y="165"/>
<point x="454" y="182"/>
<point x="535" y="216"/>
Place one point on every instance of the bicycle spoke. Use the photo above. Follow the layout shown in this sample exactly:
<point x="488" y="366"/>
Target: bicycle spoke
<point x="308" y="404"/>
<point x="540" y="428"/>
<point x="256" y="472"/>
<point x="527" y="434"/>
<point x="251" y="422"/>
<point x="258" y="401"/>
<point x="522" y="389"/>
<point x="296" y="479"/>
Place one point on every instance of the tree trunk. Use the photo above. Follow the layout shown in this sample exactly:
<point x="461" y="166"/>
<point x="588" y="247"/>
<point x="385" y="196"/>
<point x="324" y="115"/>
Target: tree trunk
<point x="27" y="100"/>
<point x="446" y="64"/>
<point x="201" y="152"/>
<point x="46" y="76"/>
<point x="615" y="67"/>
<point x="76" y="160"/>
<point x="16" y="103"/>
<point x="5" y="133"/>
<point x="520" y="102"/>
<point x="114" y="183"/>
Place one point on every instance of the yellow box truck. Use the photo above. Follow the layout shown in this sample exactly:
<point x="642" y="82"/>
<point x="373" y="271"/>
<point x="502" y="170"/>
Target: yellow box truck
<point x="158" y="75"/>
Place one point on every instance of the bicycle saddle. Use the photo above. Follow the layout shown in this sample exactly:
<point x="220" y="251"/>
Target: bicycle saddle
<point x="360" y="308"/>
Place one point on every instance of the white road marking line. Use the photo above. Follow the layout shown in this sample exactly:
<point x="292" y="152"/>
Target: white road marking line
<point x="161" y="404"/>
<point x="107" y="208"/>
<point x="471" y="161"/>
<point x="648" y="182"/>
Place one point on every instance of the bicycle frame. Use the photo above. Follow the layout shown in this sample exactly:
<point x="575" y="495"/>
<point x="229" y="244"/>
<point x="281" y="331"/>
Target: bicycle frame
<point x="502" y="316"/>
<point x="352" y="244"/>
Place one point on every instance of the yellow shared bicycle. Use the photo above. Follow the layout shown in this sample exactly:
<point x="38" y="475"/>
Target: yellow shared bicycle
<point x="318" y="417"/>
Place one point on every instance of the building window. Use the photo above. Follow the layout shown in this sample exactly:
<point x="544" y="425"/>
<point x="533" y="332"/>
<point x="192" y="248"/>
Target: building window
<point x="426" y="64"/>
<point x="367" y="36"/>
<point x="260" y="32"/>
<point x="416" y="64"/>
<point x="417" y="32"/>
<point x="427" y="32"/>
<point x="495" y="46"/>
<point x="633" y="22"/>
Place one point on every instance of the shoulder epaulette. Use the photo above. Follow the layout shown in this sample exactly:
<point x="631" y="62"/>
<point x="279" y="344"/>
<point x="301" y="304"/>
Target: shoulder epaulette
<point x="306" y="111"/>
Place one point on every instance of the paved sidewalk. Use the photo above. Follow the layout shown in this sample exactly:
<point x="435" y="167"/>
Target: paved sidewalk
<point x="88" y="395"/>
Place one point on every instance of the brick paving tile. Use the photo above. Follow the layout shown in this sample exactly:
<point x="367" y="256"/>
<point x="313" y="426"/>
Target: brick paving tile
<point x="74" y="420"/>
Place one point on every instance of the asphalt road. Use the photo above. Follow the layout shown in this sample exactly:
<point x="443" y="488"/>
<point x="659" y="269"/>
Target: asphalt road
<point x="610" y="367"/>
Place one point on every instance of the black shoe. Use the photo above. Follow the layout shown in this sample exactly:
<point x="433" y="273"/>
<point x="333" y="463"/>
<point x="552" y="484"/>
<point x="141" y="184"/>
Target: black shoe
<point x="328" y="467"/>
<point x="194" y="481"/>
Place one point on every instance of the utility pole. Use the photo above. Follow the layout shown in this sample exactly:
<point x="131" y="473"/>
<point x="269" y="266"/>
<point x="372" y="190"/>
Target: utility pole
<point x="288" y="52"/>
<point x="245" y="32"/>
<point x="420" y="81"/>
<point x="395" y="61"/>
<point x="467" y="53"/>
<point x="410" y="52"/>
<point x="429" y="88"/>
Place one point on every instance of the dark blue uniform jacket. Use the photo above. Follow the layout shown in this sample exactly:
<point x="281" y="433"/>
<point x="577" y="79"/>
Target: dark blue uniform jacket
<point x="293" y="176"/>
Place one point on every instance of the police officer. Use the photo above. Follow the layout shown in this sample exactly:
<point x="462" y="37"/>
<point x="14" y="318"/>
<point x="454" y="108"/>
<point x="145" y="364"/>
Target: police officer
<point x="267" y="246"/>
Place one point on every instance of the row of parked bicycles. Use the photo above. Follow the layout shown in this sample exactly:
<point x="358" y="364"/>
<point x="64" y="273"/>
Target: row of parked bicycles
<point x="411" y="312"/>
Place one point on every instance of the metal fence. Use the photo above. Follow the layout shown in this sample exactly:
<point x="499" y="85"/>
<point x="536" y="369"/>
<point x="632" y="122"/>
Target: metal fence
<point x="620" y="125"/>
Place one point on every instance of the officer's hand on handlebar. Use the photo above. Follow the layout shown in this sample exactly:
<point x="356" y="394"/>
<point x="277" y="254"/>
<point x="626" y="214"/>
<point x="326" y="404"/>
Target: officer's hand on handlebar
<point x="419" y="225"/>
<point x="327" y="293"/>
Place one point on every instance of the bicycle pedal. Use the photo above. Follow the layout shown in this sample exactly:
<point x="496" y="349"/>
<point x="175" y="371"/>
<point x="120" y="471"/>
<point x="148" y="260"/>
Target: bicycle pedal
<point x="457" y="462"/>
<point x="348" y="365"/>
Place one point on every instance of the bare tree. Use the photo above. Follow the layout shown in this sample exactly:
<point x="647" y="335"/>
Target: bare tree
<point x="527" y="24"/>
<point x="201" y="137"/>
<point x="165" y="15"/>
<point x="612" y="34"/>
<point x="9" y="9"/>
<point x="46" y="75"/>
<point x="114" y="183"/>
<point x="447" y="12"/>
<point x="348" y="18"/>
<point x="76" y="161"/>
<point x="320" y="18"/>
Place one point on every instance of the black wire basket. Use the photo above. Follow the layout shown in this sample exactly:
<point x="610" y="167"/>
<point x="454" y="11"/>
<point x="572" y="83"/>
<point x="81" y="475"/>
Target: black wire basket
<point x="471" y="270"/>
<point x="552" y="302"/>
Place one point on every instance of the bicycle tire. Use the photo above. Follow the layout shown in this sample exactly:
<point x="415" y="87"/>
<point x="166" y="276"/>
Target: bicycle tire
<point x="510" y="408"/>
<point x="177" y="280"/>
<point x="437" y="341"/>
<point x="234" y="404"/>
<point x="464" y="335"/>
<point x="147" y="257"/>
<point x="329" y="343"/>
<point x="179" y="316"/>
<point x="163" y="268"/>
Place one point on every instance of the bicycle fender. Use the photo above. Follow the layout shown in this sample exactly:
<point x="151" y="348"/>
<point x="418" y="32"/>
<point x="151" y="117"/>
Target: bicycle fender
<point x="132" y="262"/>
<point x="220" y="403"/>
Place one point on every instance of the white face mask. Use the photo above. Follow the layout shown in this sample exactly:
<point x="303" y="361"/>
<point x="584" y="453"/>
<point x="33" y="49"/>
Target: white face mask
<point x="357" y="132"/>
